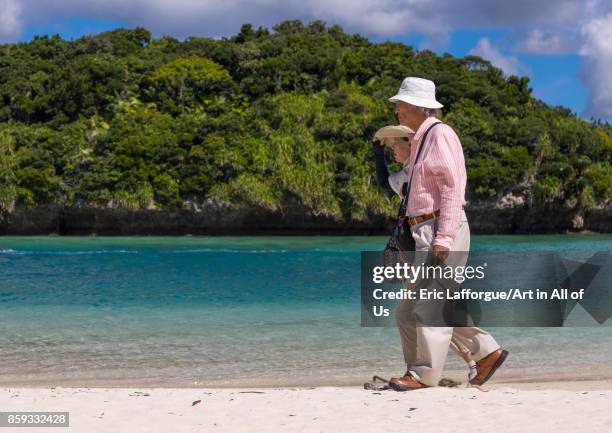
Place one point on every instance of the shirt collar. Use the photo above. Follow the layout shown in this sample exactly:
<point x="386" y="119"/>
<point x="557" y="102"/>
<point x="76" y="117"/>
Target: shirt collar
<point x="419" y="133"/>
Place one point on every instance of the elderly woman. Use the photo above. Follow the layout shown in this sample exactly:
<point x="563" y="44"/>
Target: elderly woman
<point x="398" y="138"/>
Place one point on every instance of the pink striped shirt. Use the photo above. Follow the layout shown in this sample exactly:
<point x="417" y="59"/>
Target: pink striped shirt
<point x="439" y="179"/>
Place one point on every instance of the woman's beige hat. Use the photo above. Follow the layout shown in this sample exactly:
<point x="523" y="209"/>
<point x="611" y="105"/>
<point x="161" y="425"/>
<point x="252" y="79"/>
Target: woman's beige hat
<point x="388" y="134"/>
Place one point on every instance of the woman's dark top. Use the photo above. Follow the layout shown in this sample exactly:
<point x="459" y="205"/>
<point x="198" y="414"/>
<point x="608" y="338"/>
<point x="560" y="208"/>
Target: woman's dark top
<point x="382" y="172"/>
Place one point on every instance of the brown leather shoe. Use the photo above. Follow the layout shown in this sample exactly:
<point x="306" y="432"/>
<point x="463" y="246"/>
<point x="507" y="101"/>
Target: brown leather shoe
<point x="488" y="365"/>
<point x="406" y="383"/>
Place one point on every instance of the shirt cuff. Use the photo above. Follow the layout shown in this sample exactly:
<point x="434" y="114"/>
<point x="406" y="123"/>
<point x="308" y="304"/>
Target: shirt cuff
<point x="443" y="241"/>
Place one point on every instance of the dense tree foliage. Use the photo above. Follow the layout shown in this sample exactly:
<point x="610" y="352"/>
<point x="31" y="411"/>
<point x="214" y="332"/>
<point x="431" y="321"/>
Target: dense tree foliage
<point x="266" y="118"/>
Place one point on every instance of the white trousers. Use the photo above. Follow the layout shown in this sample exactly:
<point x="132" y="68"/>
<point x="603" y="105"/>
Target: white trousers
<point x="425" y="347"/>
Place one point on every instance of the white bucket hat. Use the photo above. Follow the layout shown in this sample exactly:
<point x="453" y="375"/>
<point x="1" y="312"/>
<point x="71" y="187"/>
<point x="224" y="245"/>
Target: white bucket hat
<point x="417" y="91"/>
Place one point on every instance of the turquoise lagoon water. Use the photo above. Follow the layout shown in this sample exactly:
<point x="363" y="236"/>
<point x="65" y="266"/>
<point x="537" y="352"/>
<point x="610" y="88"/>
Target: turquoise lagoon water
<point x="234" y="311"/>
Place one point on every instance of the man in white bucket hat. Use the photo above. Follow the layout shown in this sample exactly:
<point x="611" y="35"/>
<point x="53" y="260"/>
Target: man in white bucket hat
<point x="417" y="92"/>
<point x="436" y="188"/>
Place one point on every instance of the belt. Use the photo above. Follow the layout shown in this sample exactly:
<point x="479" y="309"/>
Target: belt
<point x="412" y="221"/>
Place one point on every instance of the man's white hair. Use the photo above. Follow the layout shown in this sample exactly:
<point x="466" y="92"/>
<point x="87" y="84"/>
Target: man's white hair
<point x="429" y="112"/>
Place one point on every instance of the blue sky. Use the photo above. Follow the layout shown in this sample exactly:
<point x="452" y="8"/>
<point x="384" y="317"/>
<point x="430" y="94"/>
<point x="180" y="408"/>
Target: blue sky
<point x="563" y="46"/>
<point x="555" y="78"/>
<point x="69" y="28"/>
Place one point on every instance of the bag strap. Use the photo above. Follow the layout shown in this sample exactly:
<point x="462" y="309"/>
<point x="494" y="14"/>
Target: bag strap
<point x="406" y="185"/>
<point x="416" y="160"/>
<point x="404" y="202"/>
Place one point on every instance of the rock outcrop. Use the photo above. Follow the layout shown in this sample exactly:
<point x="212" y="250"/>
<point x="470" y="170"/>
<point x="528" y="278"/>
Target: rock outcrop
<point x="509" y="215"/>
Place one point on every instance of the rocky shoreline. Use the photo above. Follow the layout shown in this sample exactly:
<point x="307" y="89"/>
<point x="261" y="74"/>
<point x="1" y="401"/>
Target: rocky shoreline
<point x="213" y="218"/>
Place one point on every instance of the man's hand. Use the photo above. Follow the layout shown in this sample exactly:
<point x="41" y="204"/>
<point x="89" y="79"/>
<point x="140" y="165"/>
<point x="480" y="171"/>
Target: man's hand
<point x="440" y="253"/>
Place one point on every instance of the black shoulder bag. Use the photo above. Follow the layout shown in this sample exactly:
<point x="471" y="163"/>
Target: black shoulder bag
<point x="401" y="240"/>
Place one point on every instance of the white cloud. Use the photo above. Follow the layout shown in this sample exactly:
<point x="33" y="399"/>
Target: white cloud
<point x="510" y="65"/>
<point x="597" y="66"/>
<point x="549" y="42"/>
<point x="10" y="22"/>
<point x="432" y="18"/>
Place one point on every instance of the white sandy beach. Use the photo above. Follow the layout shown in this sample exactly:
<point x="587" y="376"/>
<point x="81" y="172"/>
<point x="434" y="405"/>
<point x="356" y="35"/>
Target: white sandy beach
<point x="528" y="407"/>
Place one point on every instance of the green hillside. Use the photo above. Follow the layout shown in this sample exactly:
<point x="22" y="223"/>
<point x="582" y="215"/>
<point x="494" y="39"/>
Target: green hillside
<point x="266" y="118"/>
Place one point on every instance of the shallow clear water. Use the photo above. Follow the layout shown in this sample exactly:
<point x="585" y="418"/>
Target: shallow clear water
<point x="232" y="311"/>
